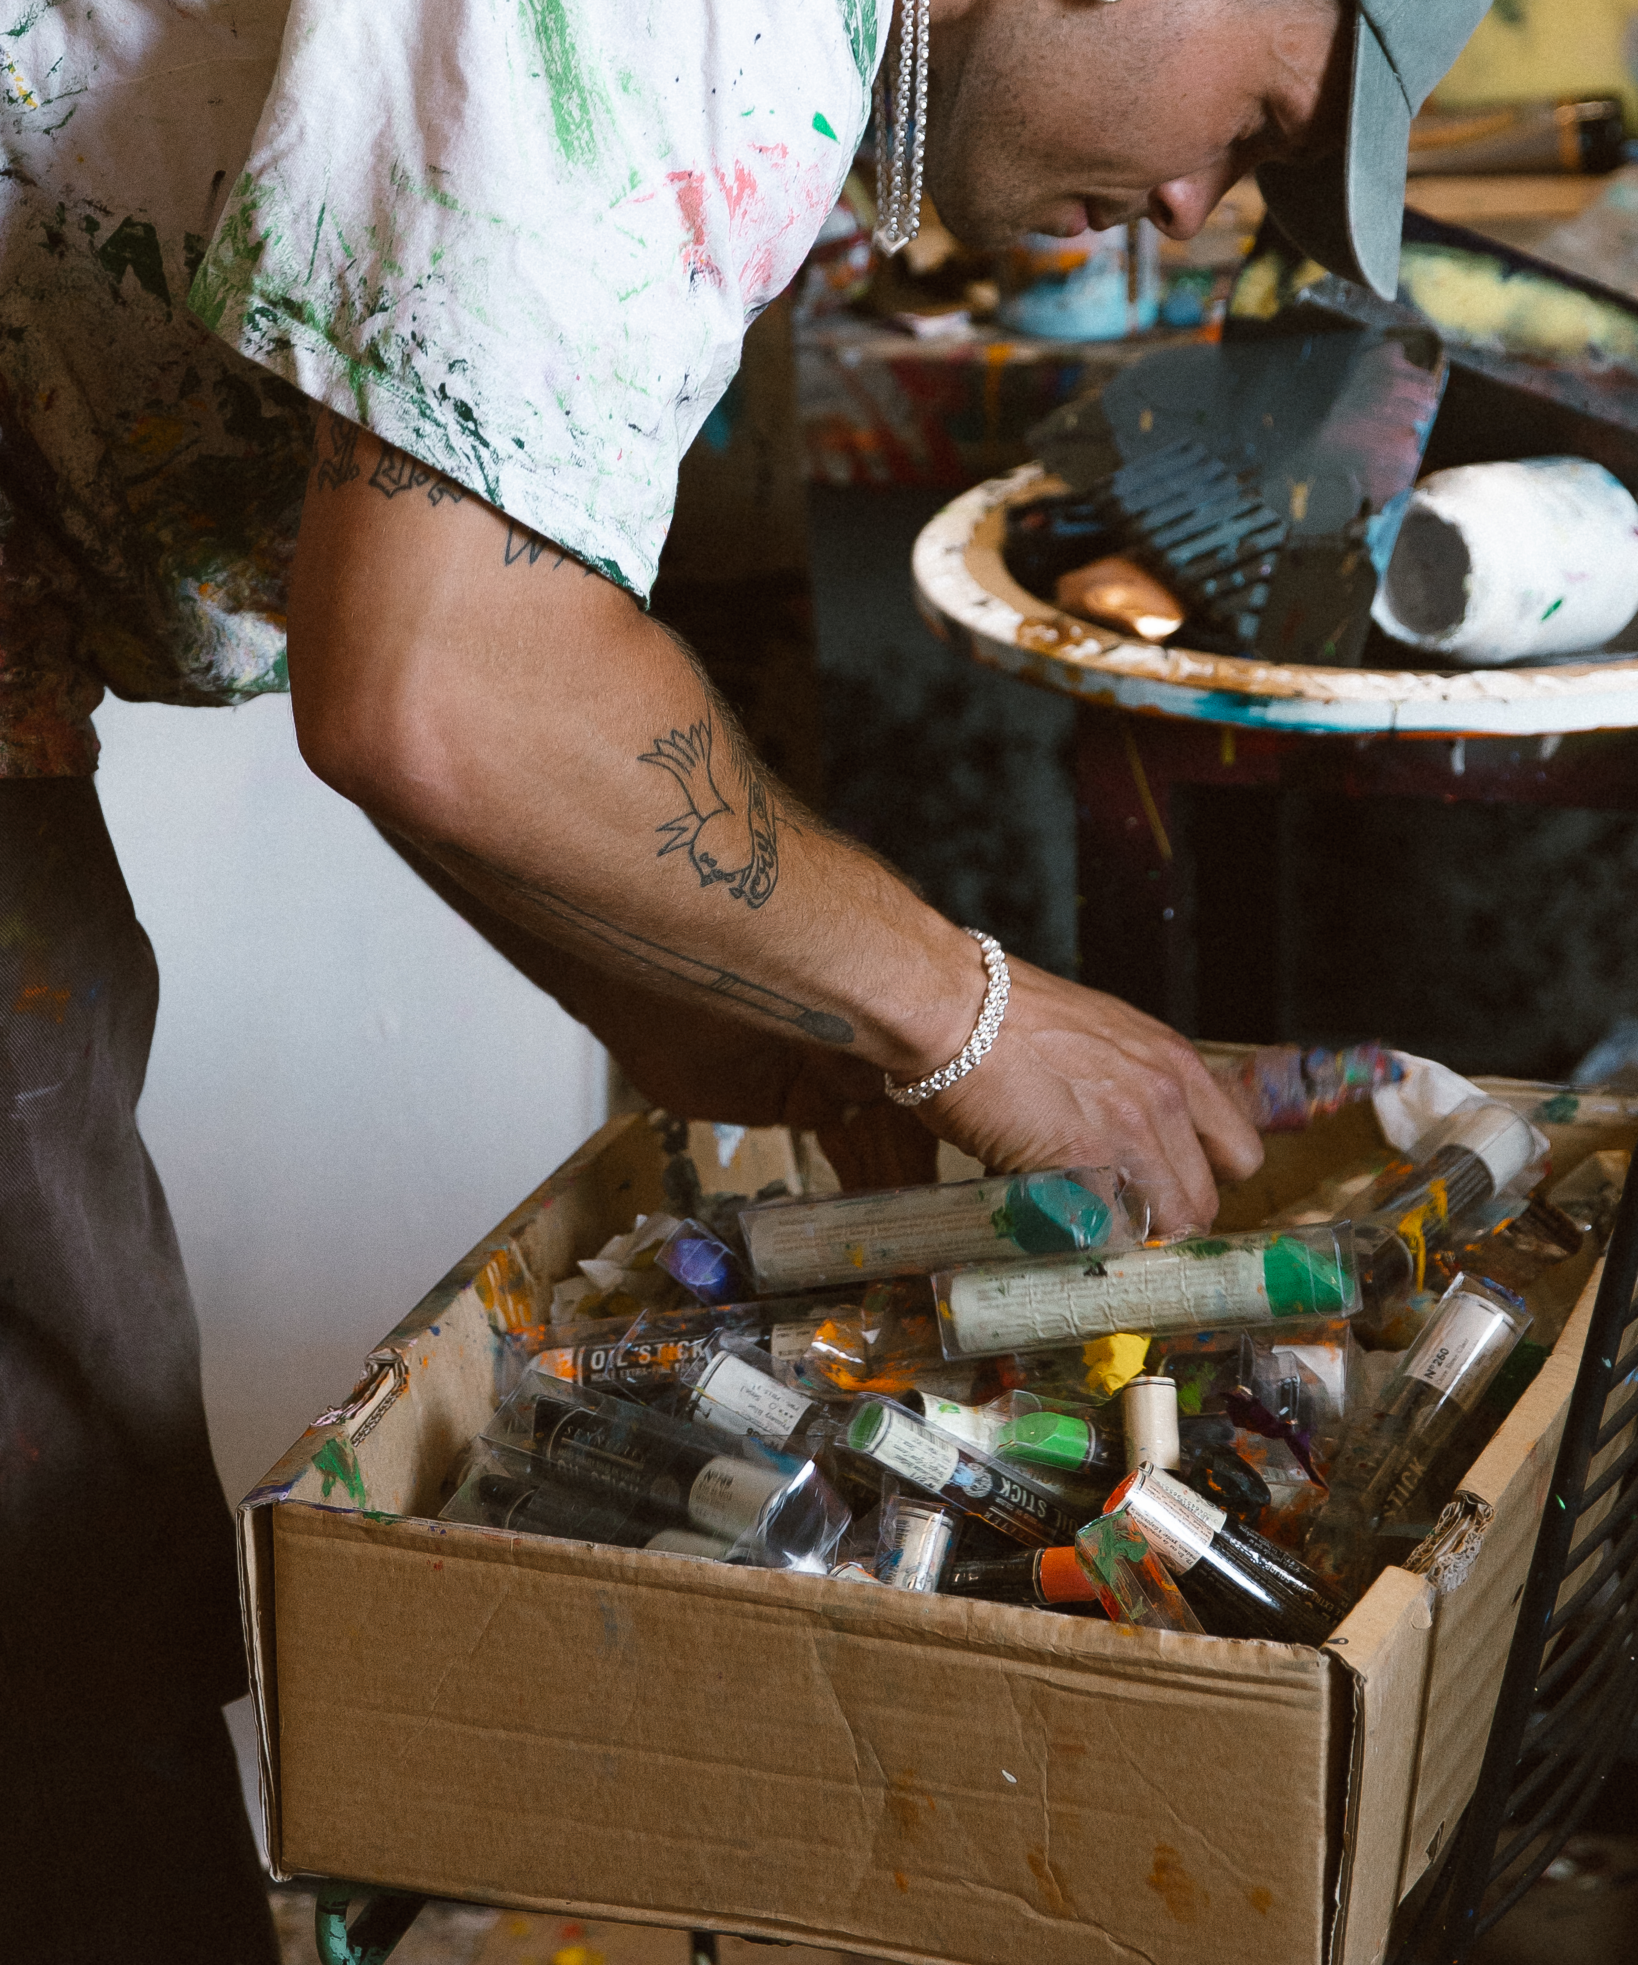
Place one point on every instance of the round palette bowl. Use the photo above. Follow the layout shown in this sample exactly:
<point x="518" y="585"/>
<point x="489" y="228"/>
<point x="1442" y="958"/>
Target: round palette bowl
<point x="969" y="599"/>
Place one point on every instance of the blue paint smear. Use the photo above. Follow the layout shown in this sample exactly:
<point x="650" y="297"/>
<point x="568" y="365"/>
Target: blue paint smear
<point x="1382" y="530"/>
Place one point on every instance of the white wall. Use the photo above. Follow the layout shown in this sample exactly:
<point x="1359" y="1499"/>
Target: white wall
<point x="348" y="1086"/>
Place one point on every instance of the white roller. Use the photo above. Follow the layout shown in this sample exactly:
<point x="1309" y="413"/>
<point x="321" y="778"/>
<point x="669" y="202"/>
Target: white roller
<point x="1496" y="562"/>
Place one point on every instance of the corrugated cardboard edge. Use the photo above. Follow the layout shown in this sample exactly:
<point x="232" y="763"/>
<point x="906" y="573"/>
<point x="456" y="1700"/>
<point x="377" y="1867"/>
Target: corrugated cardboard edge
<point x="385" y="1377"/>
<point x="1502" y="1500"/>
<point x="1384" y="1646"/>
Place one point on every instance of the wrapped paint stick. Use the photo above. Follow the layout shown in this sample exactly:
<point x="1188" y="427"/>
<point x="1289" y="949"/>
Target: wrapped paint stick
<point x="847" y="1238"/>
<point x="845" y="1342"/>
<point x="1438" y="1384"/>
<point x="493" y="1496"/>
<point x="1127" y="1578"/>
<point x="1197" y="1284"/>
<point x="775" y="1510"/>
<point x="1003" y="1496"/>
<point x="1281" y="1087"/>
<point x="609" y="1354"/>
<point x="1025" y="1427"/>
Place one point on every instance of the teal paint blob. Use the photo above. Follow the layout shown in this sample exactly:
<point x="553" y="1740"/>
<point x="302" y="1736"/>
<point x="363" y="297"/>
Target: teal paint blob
<point x="1045" y="1214"/>
<point x="823" y="127"/>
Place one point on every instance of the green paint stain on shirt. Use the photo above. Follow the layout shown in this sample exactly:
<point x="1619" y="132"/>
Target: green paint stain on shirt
<point x="859" y="19"/>
<point x="823" y="127"/>
<point x="574" y="105"/>
<point x="337" y="1462"/>
<point x="1557" y="604"/>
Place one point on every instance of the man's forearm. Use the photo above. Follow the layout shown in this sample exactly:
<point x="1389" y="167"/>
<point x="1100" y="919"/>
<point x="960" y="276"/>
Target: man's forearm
<point x="564" y="757"/>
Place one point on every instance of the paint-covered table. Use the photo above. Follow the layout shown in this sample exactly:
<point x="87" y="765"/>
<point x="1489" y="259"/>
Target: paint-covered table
<point x="1156" y="725"/>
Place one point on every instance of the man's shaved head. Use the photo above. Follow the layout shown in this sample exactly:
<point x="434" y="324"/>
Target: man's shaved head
<point x="1048" y="115"/>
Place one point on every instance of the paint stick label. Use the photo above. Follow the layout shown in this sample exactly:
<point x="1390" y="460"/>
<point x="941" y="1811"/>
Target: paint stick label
<point x="738" y="1398"/>
<point x="728" y="1496"/>
<point x="792" y="1342"/>
<point x="1468" y="1330"/>
<point x="1001" y="1307"/>
<point x="1177" y="1523"/>
<point x="920" y="1454"/>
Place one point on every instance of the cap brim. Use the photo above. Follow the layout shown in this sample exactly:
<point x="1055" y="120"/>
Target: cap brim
<point x="1348" y="211"/>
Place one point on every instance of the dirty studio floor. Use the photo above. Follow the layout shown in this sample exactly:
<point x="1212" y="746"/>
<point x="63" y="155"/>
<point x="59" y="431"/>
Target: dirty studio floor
<point x="1584" y="1914"/>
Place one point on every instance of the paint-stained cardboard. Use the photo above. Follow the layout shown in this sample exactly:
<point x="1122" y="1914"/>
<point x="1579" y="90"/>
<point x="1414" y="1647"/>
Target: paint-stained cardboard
<point x="611" y="1733"/>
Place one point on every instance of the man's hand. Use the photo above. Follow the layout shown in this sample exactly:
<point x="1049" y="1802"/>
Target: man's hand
<point x="1079" y="1078"/>
<point x="561" y="756"/>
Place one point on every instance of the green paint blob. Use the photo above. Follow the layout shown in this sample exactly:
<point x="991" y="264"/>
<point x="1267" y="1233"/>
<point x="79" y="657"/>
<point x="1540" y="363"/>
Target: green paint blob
<point x="866" y="1423"/>
<point x="1305" y="1282"/>
<point x="337" y="1462"/>
<point x="859" y="19"/>
<point x="1046" y="1439"/>
<point x="1559" y="1110"/>
<point x="823" y="127"/>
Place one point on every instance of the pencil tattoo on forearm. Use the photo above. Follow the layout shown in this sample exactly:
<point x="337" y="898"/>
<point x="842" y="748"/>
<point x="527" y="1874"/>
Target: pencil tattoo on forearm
<point x="557" y="909"/>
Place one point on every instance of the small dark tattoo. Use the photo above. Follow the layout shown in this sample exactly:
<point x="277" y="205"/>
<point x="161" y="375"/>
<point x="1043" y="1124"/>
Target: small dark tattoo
<point x="520" y="541"/>
<point x="397" y="471"/>
<point x="341" y="466"/>
<point x="686" y="754"/>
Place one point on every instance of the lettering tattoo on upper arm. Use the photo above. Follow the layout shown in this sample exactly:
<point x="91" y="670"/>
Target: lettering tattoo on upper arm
<point x="396" y="472"/>
<point x="339" y="466"/>
<point x="560" y="911"/>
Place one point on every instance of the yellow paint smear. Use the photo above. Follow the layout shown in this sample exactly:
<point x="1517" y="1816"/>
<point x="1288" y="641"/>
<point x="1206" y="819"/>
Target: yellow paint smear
<point x="1471" y="299"/>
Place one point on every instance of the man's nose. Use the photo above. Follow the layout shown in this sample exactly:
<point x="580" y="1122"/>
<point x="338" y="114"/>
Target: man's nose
<point x="1180" y="207"/>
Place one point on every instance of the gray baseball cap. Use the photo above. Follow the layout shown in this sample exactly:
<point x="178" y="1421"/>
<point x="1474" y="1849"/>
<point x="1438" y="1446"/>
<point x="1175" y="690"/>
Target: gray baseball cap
<point x="1346" y="211"/>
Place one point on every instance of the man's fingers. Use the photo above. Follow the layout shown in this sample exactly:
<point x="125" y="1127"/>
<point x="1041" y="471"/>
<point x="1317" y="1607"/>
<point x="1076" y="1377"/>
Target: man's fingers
<point x="1173" y="1172"/>
<point x="1231" y="1141"/>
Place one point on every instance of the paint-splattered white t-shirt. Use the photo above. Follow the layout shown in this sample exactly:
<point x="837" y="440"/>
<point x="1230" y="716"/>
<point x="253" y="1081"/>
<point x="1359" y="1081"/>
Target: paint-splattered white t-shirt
<point x="519" y="239"/>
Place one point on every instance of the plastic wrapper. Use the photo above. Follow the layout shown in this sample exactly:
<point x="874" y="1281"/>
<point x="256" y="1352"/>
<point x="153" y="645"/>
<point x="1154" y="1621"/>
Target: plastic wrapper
<point x="659" y="1264"/>
<point x="907" y="1231"/>
<point x="996" y="1492"/>
<point x="774" y="1510"/>
<point x="1199" y="1284"/>
<point x="1127" y="1578"/>
<point x="1588" y="1195"/>
<point x="1282" y="1087"/>
<point x="837" y="1345"/>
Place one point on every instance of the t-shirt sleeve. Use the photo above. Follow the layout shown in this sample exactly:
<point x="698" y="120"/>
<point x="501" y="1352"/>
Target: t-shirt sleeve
<point x="520" y="240"/>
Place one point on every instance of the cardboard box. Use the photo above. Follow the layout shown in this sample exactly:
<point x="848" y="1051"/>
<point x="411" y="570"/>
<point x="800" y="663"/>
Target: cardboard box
<point x="615" y="1734"/>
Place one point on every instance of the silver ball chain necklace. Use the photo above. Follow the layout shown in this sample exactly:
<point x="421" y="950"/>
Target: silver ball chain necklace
<point x="901" y="130"/>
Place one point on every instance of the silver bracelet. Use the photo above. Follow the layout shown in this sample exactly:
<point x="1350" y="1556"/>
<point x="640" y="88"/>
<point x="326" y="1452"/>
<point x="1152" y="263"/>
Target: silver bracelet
<point x="984" y="1031"/>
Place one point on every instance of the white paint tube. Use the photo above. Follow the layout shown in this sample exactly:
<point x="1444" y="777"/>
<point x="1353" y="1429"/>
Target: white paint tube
<point x="1500" y="562"/>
